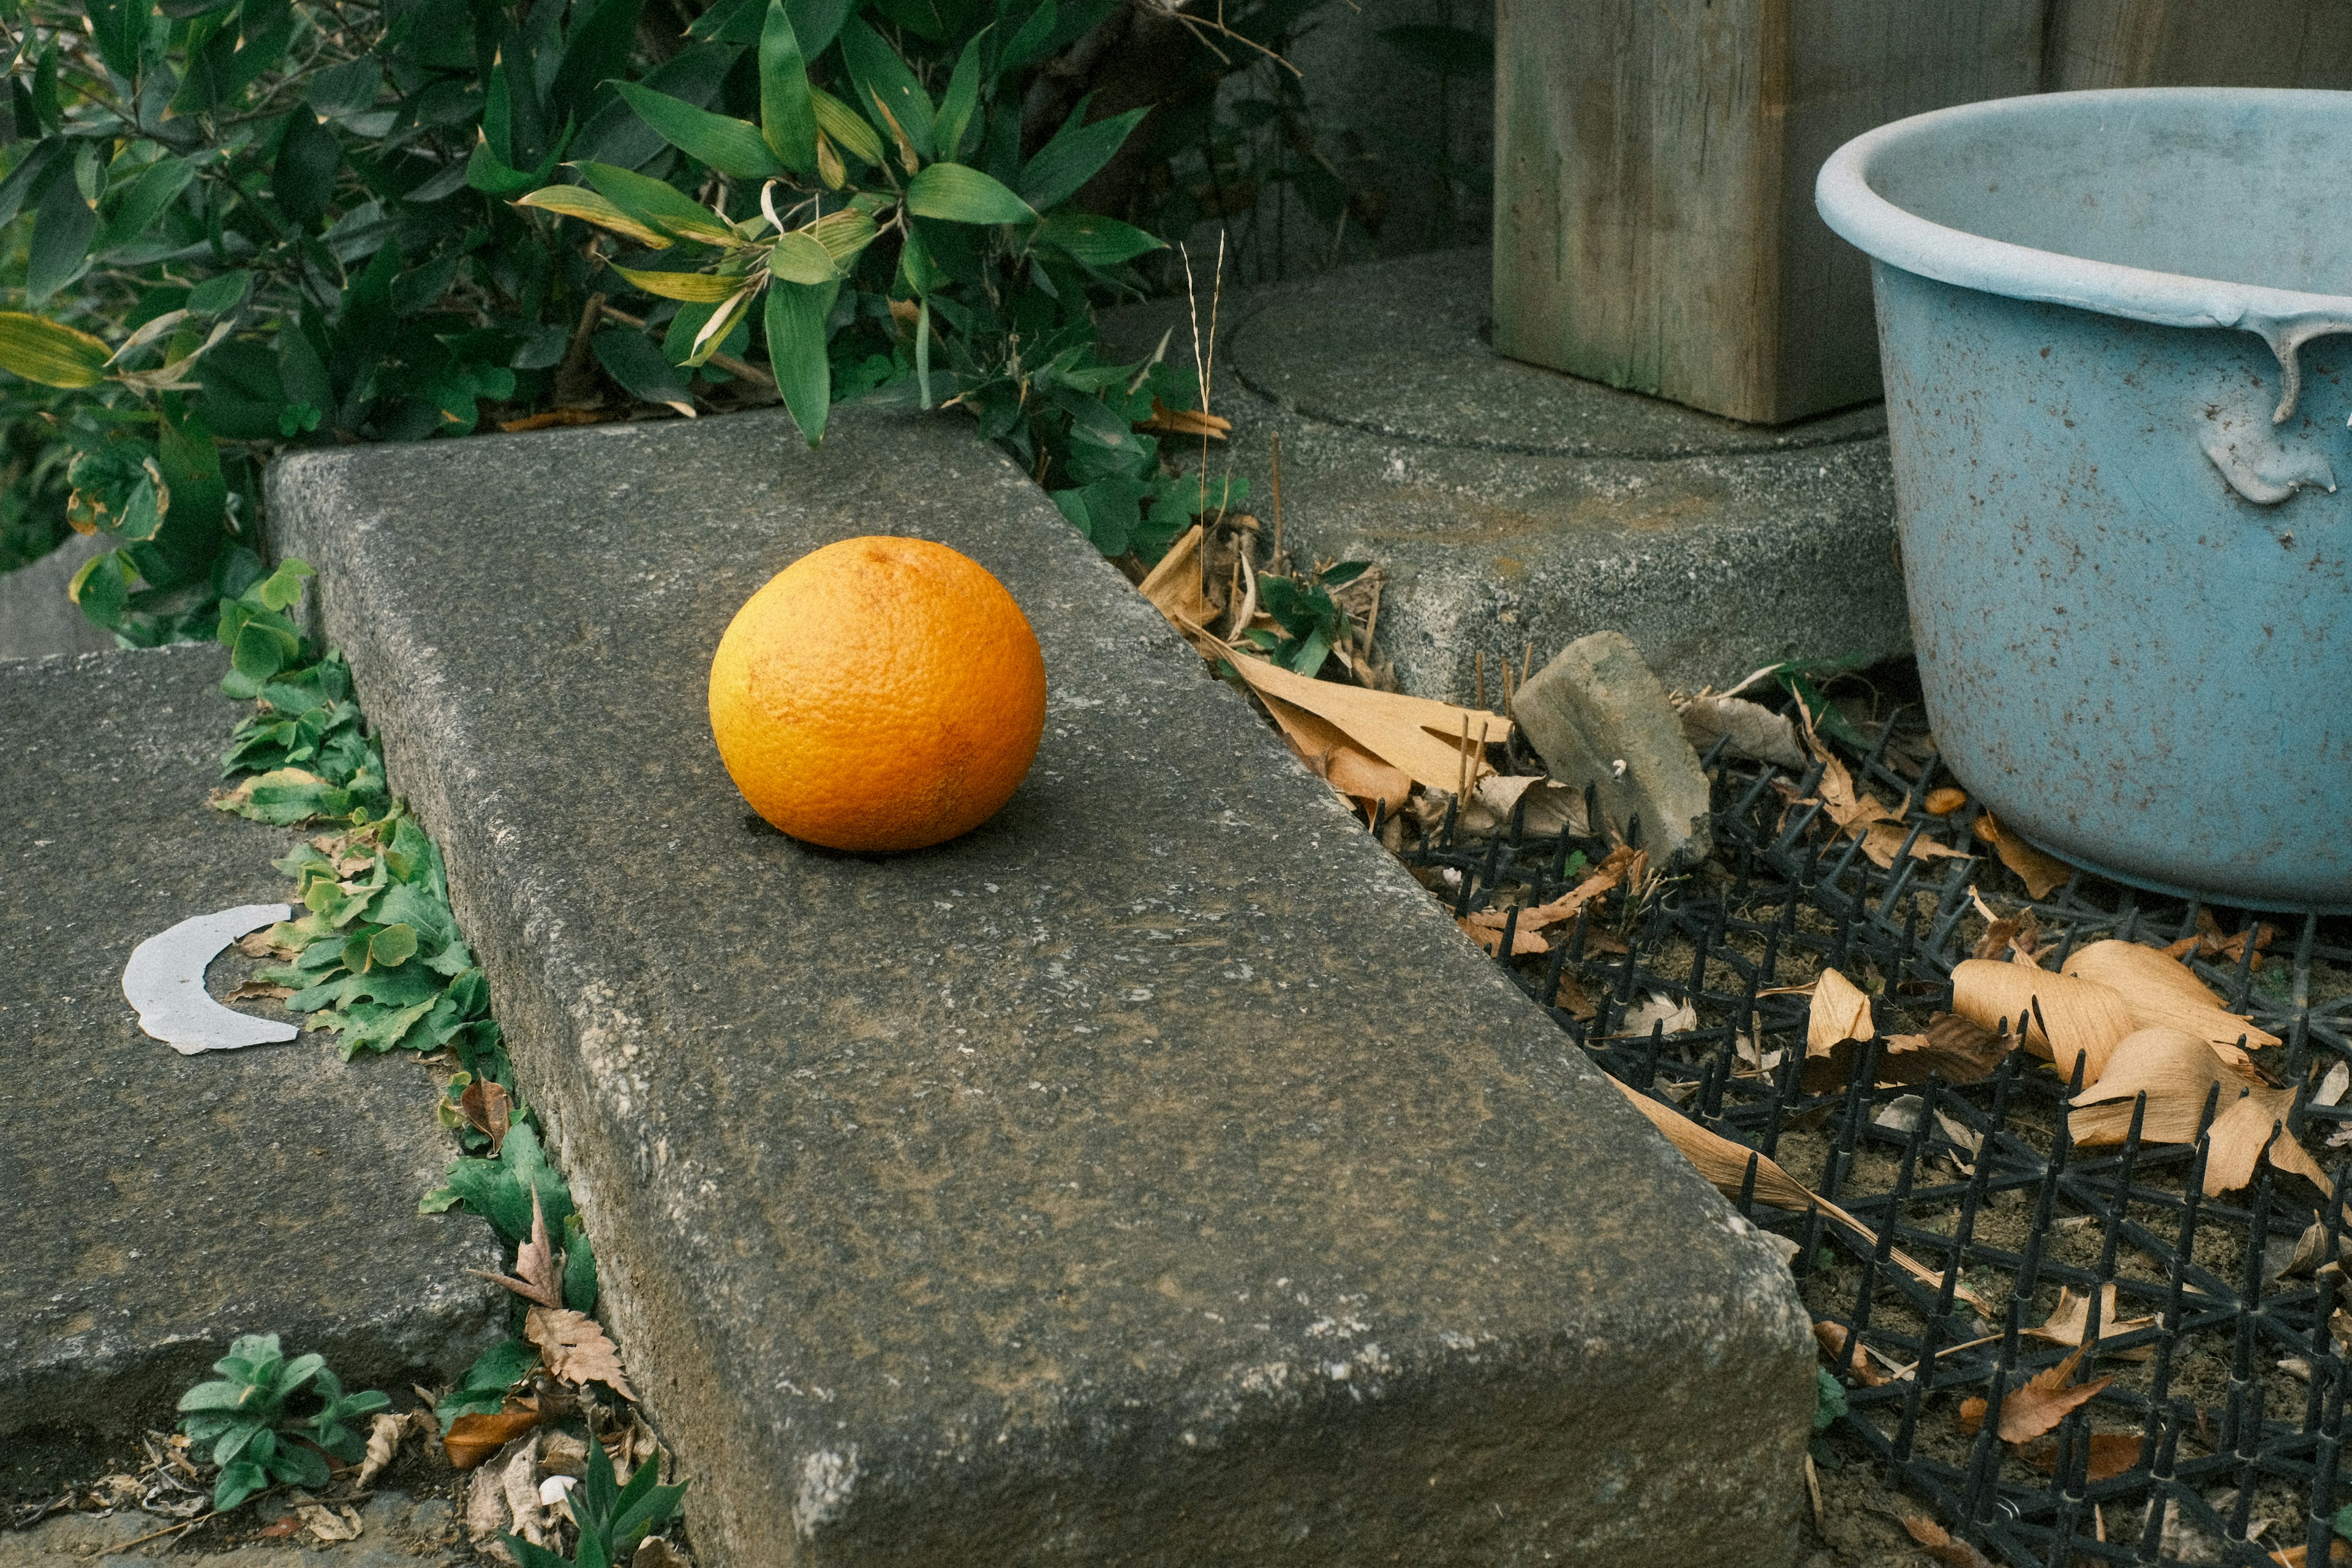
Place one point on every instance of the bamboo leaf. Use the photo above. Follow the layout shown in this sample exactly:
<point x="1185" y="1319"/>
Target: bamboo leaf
<point x="578" y="201"/>
<point x="1074" y="155"/>
<point x="787" y="118"/>
<point x="50" y="352"/>
<point x="694" y="287"/>
<point x="956" y="194"/>
<point x="800" y="257"/>
<point x="846" y="127"/>
<point x="885" y="82"/>
<point x="733" y="147"/>
<point x="796" y="349"/>
<point x="844" y="233"/>
<point x="1096" y="241"/>
<point x="657" y="204"/>
<point x="963" y="96"/>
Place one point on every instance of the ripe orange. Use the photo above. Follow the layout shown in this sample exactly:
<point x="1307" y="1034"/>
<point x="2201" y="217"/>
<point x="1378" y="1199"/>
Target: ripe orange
<point x="879" y="694"/>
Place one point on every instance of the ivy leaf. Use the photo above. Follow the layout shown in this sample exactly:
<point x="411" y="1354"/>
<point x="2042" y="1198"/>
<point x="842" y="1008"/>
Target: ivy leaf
<point x="787" y="117"/>
<point x="733" y="147"/>
<point x="957" y="194"/>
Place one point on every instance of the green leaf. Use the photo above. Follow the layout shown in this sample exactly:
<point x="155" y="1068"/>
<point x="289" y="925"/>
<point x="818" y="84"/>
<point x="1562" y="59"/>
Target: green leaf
<point x="219" y="293"/>
<point x="50" y="352"/>
<point x="957" y="194"/>
<point x="237" y="1482"/>
<point x="816" y="23"/>
<point x="579" y="1267"/>
<point x="799" y="256"/>
<point x="848" y="131"/>
<point x="657" y="204"/>
<point x="62" y="227"/>
<point x="531" y="1556"/>
<point x="390" y="947"/>
<point x="1030" y="41"/>
<point x="1074" y="155"/>
<point x="1346" y="571"/>
<point x="787" y="117"/>
<point x="577" y="201"/>
<point x="963" y="96"/>
<point x="1829" y="1399"/>
<point x="844" y="234"/>
<point x="282" y="589"/>
<point x="102" y="588"/>
<point x="733" y="147"/>
<point x="694" y="287"/>
<point x="157" y="186"/>
<point x="303" y="178"/>
<point x="886" y="84"/>
<point x="1096" y="241"/>
<point x="635" y="362"/>
<point x="219" y="1396"/>
<point x="796" y="348"/>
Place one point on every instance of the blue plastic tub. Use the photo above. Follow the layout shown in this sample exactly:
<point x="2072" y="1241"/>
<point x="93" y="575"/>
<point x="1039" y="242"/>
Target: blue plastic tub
<point x="2119" y="421"/>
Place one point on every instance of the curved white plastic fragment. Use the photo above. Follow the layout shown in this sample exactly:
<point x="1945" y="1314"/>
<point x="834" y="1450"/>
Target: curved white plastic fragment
<point x="165" y="982"/>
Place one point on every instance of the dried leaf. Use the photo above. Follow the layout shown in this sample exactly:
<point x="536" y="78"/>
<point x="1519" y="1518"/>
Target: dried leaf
<point x="2174" y="1069"/>
<point x="1524" y="942"/>
<point x="1327" y="752"/>
<point x="2112" y="1453"/>
<point x="1422" y="737"/>
<point x="2244" y="1133"/>
<point x="1623" y="865"/>
<point x="2084" y="1017"/>
<point x="653" y="1551"/>
<point x="2332" y="1086"/>
<point x="575" y="1348"/>
<point x="1753" y="730"/>
<point x="1957" y="1050"/>
<point x="1174" y="586"/>
<point x="1832" y="1337"/>
<point x="1840" y="1010"/>
<point x="474" y="1439"/>
<point x="487" y="1108"/>
<point x="384" y="1434"/>
<point x="2072" y="1317"/>
<point x="327" y="1523"/>
<point x="1724" y="1163"/>
<point x="1944" y="801"/>
<point x="1192" y="422"/>
<point x="1937" y="1543"/>
<point x="1679" y="1018"/>
<point x="520" y="1483"/>
<point x="2044" y="1400"/>
<point x="1883" y="843"/>
<point x="486" y="1512"/>
<point x="2160" y="990"/>
<point x="259" y="991"/>
<point x="2040" y="872"/>
<point x="539" y="1267"/>
<point x="1551" y="807"/>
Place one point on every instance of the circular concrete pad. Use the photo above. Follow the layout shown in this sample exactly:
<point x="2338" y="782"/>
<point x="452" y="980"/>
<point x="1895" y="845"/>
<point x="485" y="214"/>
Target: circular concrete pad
<point x="1401" y="350"/>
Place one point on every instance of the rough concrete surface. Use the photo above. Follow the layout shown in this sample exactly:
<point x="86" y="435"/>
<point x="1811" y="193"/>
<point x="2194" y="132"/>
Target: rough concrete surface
<point x="1598" y="717"/>
<point x="157" y="1206"/>
<point x="1152" y="1176"/>
<point x="1512" y="506"/>
<point x="37" y="619"/>
<point x="396" y="1530"/>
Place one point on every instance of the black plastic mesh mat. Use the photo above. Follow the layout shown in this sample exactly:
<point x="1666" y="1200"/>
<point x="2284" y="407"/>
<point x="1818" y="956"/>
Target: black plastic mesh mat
<point x="2218" y="1437"/>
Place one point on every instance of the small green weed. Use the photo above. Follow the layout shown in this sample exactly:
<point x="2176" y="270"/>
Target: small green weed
<point x="256" y="1442"/>
<point x="612" y="1518"/>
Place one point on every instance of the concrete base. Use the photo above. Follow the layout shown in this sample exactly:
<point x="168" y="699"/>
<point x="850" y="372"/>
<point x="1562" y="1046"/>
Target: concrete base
<point x="155" y="1205"/>
<point x="37" y="619"/>
<point x="1512" y="505"/>
<point x="1154" y="1175"/>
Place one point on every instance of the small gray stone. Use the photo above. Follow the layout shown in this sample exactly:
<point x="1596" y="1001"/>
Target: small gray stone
<point x="1598" y="716"/>
<point x="37" y="618"/>
<point x="1152" y="1175"/>
<point x="158" y="1204"/>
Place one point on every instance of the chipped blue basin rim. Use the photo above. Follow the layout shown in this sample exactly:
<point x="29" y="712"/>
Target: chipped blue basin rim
<point x="2117" y="394"/>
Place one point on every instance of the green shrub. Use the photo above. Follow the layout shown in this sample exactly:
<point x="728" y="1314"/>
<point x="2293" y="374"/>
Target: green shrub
<point x="256" y="1441"/>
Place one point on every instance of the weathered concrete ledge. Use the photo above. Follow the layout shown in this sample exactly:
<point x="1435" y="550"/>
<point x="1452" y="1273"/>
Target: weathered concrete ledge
<point x="1152" y="1176"/>
<point x="154" y="1205"/>
<point x="1511" y="504"/>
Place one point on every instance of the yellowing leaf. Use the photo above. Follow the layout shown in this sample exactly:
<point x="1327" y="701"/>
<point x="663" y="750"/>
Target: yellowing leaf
<point x="580" y="202"/>
<point x="49" y="352"/>
<point x="694" y="287"/>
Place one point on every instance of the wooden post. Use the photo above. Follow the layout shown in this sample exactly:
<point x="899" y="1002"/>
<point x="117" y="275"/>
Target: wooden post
<point x="2203" y="43"/>
<point x="1654" y="221"/>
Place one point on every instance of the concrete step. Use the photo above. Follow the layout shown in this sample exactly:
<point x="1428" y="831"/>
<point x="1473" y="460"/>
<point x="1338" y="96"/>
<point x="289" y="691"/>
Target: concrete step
<point x="1512" y="505"/>
<point x="1153" y="1176"/>
<point x="158" y="1204"/>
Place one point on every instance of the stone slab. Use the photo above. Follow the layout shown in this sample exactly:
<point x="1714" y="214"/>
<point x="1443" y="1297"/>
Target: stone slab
<point x="1512" y="506"/>
<point x="1154" y="1175"/>
<point x="396" y="1530"/>
<point x="1600" y="721"/>
<point x="37" y="619"/>
<point x="157" y="1206"/>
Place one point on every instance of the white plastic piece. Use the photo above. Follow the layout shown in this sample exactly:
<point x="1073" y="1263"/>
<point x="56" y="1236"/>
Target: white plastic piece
<point x="164" y="980"/>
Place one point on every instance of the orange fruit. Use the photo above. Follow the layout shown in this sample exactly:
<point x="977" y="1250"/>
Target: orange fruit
<point x="879" y="694"/>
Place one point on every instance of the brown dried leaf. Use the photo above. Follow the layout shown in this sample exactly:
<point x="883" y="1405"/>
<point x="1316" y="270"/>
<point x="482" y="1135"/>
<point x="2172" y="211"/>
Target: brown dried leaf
<point x="2072" y="1316"/>
<point x="1422" y="737"/>
<point x="2174" y="1069"/>
<point x="1882" y="842"/>
<point x="1944" y="801"/>
<point x="1174" y="586"/>
<point x="539" y="1267"/>
<point x="575" y="1349"/>
<point x="1832" y="1337"/>
<point x="384" y="1434"/>
<point x="1623" y="865"/>
<point x="1550" y="807"/>
<point x="1957" y="1050"/>
<point x="1840" y="1010"/>
<point x="2040" y="872"/>
<point x="1327" y="752"/>
<point x="2044" y="1400"/>
<point x="1489" y="939"/>
<point x="2085" y="1017"/>
<point x="2112" y="1453"/>
<point x="653" y="1551"/>
<point x="2244" y="1133"/>
<point x="1937" y="1543"/>
<point x="329" y="1524"/>
<point x="487" y="1108"/>
<point x="474" y="1439"/>
<point x="1192" y="422"/>
<point x="1724" y="1163"/>
<point x="2161" y="990"/>
<point x="259" y="991"/>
